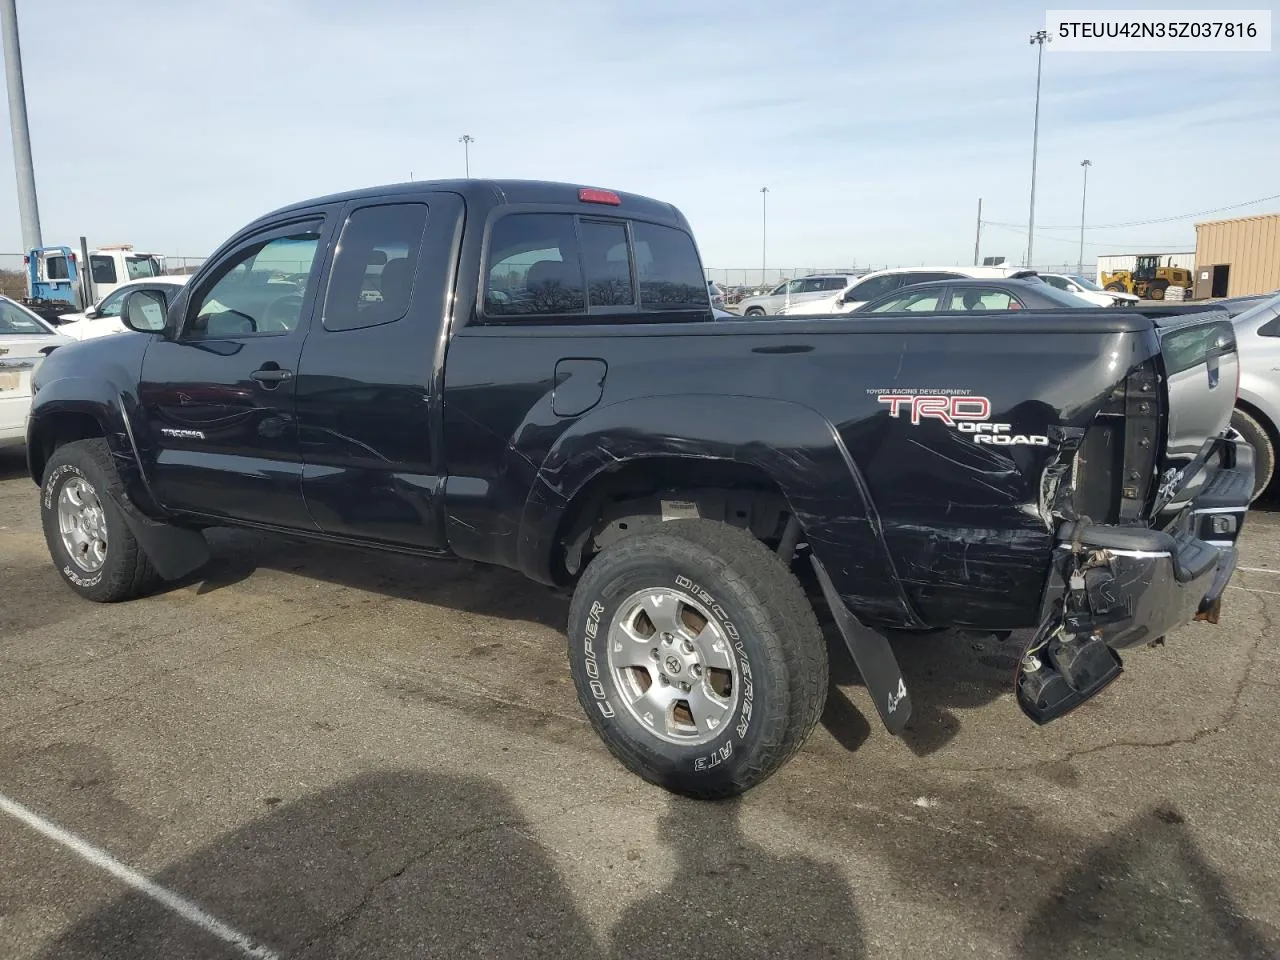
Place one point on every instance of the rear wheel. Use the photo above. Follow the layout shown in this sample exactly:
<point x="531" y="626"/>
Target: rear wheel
<point x="88" y="539"/>
<point x="754" y="312"/>
<point x="697" y="657"/>
<point x="1264" y="450"/>
<point x="1156" y="292"/>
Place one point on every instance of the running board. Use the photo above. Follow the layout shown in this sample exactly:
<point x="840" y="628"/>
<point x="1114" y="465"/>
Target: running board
<point x="873" y="657"/>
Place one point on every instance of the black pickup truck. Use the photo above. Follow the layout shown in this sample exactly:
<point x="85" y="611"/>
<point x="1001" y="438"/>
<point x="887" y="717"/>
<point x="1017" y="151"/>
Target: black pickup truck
<point x="529" y="375"/>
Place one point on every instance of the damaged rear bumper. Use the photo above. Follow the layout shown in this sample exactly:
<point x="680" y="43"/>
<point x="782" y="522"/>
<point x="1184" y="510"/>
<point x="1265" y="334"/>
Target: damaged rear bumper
<point x="1115" y="586"/>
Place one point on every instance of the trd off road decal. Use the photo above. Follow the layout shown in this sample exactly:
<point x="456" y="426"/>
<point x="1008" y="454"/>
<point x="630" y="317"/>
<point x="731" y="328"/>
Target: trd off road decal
<point x="961" y="410"/>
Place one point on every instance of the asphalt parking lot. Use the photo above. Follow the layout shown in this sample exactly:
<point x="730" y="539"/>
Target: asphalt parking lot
<point x="311" y="752"/>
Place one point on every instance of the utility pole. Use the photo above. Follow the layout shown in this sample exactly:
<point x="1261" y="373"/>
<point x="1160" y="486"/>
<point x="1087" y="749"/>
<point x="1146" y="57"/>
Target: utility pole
<point x="1084" y="193"/>
<point x="977" y="237"/>
<point x="1038" y="40"/>
<point x="28" y="209"/>
<point x="467" y="140"/>
<point x="764" y="233"/>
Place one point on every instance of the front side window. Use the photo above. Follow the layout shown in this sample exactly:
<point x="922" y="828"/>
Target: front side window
<point x="372" y="278"/>
<point x="103" y="268"/>
<point x="110" y="307"/>
<point x="55" y="268"/>
<point x="982" y="298"/>
<point x="874" y="287"/>
<point x="259" y="291"/>
<point x="15" y="320"/>
<point x="830" y="284"/>
<point x="669" y="271"/>
<point x="921" y="300"/>
<point x="534" y="266"/>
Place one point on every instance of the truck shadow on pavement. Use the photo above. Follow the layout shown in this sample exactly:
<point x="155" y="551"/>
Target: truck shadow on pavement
<point x="13" y="464"/>
<point x="412" y="864"/>
<point x="946" y="671"/>
<point x="1144" y="891"/>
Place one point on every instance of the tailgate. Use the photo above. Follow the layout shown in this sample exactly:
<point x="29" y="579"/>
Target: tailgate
<point x="1202" y="374"/>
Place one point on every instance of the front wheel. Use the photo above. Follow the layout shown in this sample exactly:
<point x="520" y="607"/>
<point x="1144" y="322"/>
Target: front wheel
<point x="88" y="539"/>
<point x="697" y="657"/>
<point x="754" y="312"/>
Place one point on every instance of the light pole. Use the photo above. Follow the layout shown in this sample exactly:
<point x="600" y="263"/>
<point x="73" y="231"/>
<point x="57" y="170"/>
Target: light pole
<point x="1038" y="39"/>
<point x="467" y="140"/>
<point x="28" y="209"/>
<point x="764" y="233"/>
<point x="1084" y="193"/>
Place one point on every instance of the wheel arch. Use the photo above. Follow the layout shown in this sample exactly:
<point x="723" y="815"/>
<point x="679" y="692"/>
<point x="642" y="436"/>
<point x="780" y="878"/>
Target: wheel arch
<point x="773" y="446"/>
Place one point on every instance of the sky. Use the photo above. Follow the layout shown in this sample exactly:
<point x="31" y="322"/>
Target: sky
<point x="875" y="126"/>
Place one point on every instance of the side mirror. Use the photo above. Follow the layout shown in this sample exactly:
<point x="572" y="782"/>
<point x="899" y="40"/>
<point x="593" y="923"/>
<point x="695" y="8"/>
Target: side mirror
<point x="144" y="311"/>
<point x="91" y="314"/>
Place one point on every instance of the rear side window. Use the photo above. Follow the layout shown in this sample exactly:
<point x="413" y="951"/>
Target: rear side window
<point x="668" y="268"/>
<point x="834" y="283"/>
<point x="55" y="268"/>
<point x="920" y="300"/>
<point x="372" y="278"/>
<point x="534" y="266"/>
<point x="874" y="287"/>
<point x="104" y="269"/>
<point x="921" y="277"/>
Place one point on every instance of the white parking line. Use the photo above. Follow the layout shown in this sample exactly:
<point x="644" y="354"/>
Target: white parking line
<point x="1271" y="593"/>
<point x="166" y="898"/>
<point x="1260" y="570"/>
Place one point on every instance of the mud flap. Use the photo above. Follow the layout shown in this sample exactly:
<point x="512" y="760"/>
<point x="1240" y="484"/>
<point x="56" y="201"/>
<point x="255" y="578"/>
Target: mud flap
<point x="873" y="657"/>
<point x="173" y="551"/>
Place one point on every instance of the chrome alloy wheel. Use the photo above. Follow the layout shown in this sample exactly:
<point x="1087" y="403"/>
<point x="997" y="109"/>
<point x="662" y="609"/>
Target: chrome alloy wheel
<point x="82" y="524"/>
<point x="673" y="666"/>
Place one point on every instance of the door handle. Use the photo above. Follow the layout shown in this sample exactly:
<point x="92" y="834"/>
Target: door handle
<point x="270" y="376"/>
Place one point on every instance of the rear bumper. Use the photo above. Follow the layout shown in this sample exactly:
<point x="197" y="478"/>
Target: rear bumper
<point x="1133" y="584"/>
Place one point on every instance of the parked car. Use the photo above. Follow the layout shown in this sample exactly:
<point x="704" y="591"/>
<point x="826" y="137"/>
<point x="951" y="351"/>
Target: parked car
<point x="595" y="429"/>
<point x="875" y="285"/>
<point x="716" y="294"/>
<point x="795" y="291"/>
<point x="1086" y="289"/>
<point x="25" y="340"/>
<point x="104" y="316"/>
<point x="1257" y="410"/>
<point x="950" y="296"/>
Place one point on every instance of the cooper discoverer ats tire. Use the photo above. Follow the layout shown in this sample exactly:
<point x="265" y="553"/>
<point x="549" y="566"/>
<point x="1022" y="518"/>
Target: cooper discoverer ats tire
<point x="697" y="657"/>
<point x="88" y="539"/>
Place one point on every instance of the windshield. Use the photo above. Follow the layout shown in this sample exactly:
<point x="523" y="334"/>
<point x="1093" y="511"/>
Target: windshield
<point x="142" y="267"/>
<point x="1084" y="282"/>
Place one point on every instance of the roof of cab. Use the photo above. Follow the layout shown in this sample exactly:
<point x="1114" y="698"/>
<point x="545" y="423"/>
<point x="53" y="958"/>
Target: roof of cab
<point x="501" y="192"/>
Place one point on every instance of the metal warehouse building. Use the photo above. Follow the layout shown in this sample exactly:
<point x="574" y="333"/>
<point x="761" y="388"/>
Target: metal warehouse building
<point x="1235" y="258"/>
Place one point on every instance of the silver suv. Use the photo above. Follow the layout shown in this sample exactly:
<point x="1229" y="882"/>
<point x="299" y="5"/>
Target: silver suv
<point x="795" y="291"/>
